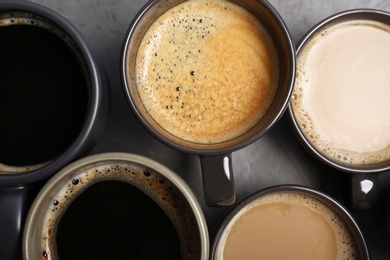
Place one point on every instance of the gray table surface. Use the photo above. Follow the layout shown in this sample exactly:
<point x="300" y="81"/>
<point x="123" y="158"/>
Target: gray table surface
<point x="277" y="158"/>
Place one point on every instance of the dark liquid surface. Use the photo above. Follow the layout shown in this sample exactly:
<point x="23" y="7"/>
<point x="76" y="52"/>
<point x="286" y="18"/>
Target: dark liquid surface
<point x="43" y="95"/>
<point x="115" y="220"/>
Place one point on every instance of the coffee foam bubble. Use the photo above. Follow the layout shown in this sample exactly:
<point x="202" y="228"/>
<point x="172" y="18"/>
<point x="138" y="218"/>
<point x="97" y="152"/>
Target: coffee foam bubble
<point x="156" y="186"/>
<point x="357" y="136"/>
<point x="207" y="71"/>
<point x="346" y="247"/>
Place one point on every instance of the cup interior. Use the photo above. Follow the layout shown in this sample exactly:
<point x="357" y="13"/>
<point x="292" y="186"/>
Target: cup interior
<point x="344" y="217"/>
<point x="312" y="35"/>
<point x="161" y="185"/>
<point x="286" y="52"/>
<point x="40" y="152"/>
<point x="94" y="114"/>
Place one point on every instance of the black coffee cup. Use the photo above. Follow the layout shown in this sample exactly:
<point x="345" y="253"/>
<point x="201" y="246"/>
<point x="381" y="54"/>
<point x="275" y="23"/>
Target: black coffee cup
<point x="54" y="104"/>
<point x="119" y="206"/>
<point x="215" y="158"/>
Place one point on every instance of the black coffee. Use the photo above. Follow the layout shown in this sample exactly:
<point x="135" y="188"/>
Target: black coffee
<point x="43" y="95"/>
<point x="115" y="220"/>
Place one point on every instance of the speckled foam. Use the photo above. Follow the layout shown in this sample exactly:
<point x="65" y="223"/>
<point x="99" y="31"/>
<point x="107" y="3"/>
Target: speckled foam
<point x="207" y="71"/>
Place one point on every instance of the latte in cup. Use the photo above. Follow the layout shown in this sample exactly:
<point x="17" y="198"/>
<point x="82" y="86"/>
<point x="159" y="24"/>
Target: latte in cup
<point x="286" y="225"/>
<point x="207" y="71"/>
<point x="341" y="96"/>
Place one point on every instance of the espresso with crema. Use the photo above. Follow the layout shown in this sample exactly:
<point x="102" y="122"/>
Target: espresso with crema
<point x="207" y="71"/>
<point x="342" y="91"/>
<point x="286" y="225"/>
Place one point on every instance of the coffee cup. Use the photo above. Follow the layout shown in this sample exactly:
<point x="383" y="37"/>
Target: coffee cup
<point x="115" y="206"/>
<point x="289" y="222"/>
<point x="208" y="78"/>
<point x="338" y="106"/>
<point x="53" y="107"/>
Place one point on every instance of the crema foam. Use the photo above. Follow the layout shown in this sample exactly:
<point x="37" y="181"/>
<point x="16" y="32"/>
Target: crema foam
<point x="207" y="71"/>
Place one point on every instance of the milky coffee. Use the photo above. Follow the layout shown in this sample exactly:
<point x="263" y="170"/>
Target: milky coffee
<point x="285" y="225"/>
<point x="207" y="71"/>
<point x="342" y="91"/>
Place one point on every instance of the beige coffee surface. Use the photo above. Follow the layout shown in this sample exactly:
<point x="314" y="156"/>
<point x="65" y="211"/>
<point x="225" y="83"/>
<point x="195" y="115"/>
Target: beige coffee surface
<point x="207" y="71"/>
<point x="286" y="226"/>
<point x="341" y="97"/>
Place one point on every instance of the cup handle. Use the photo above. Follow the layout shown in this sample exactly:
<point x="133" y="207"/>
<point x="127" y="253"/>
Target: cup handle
<point x="13" y="209"/>
<point x="218" y="181"/>
<point x="364" y="193"/>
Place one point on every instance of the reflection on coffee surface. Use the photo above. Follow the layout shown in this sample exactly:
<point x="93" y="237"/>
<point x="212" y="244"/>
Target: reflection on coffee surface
<point x="207" y="71"/>
<point x="119" y="211"/>
<point x="286" y="225"/>
<point x="342" y="91"/>
<point x="43" y="93"/>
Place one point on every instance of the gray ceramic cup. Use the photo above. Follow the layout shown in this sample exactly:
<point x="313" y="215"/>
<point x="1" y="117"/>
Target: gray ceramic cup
<point x="364" y="192"/>
<point x="216" y="158"/>
<point x="21" y="134"/>
<point x="333" y="211"/>
<point x="160" y="184"/>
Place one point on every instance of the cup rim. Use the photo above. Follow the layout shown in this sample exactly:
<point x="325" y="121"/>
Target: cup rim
<point x="217" y="148"/>
<point x="89" y="161"/>
<point x="328" y="21"/>
<point x="96" y="98"/>
<point x="316" y="194"/>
